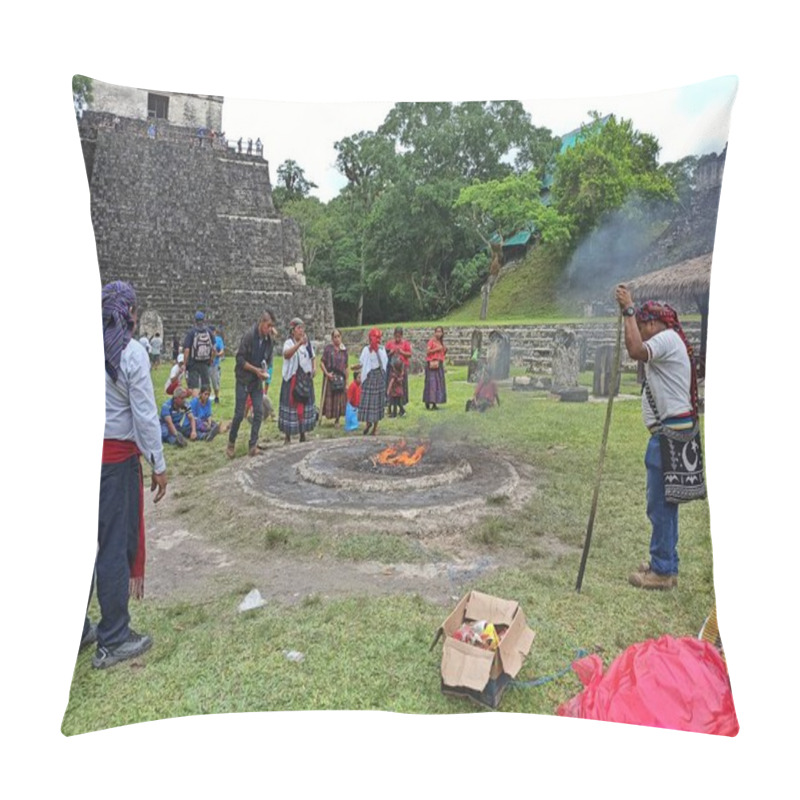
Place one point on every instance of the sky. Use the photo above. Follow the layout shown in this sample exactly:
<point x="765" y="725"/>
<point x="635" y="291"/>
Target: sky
<point x="688" y="120"/>
<point x="342" y="52"/>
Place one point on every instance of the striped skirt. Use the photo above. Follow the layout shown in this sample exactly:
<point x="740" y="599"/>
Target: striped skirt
<point x="373" y="397"/>
<point x="334" y="404"/>
<point x="435" y="390"/>
<point x="288" y="420"/>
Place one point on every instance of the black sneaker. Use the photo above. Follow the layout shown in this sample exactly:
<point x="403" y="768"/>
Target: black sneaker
<point x="90" y="637"/>
<point x="213" y="432"/>
<point x="136" y="645"/>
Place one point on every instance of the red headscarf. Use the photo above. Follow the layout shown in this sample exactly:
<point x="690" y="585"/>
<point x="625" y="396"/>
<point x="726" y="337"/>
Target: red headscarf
<point x="667" y="314"/>
<point x="375" y="337"/>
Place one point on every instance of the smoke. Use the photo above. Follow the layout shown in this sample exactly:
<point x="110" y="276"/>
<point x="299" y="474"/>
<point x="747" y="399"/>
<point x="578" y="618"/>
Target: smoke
<point x="612" y="251"/>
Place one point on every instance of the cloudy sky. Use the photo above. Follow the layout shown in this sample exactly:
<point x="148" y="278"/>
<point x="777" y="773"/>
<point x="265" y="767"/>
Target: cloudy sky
<point x="689" y="120"/>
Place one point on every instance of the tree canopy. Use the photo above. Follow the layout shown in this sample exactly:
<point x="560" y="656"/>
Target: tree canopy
<point x="291" y="184"/>
<point x="610" y="164"/>
<point x="407" y="236"/>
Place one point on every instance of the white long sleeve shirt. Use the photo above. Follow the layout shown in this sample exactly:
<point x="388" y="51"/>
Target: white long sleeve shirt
<point x="301" y="358"/>
<point x="131" y="413"/>
<point x="372" y="359"/>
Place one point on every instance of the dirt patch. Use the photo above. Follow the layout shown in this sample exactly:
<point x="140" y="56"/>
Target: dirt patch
<point x="189" y="560"/>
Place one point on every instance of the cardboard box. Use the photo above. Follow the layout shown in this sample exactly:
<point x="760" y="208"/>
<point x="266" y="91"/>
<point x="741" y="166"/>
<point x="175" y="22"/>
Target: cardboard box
<point x="470" y="671"/>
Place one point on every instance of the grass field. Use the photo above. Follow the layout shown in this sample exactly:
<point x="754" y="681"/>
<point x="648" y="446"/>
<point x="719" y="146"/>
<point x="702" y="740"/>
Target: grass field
<point x="373" y="653"/>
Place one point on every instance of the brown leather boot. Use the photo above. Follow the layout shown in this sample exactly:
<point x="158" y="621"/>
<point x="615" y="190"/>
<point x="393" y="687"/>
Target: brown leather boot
<point x="652" y="580"/>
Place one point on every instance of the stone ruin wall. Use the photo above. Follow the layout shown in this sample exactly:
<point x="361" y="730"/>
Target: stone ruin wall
<point x="128" y="102"/>
<point x="691" y="234"/>
<point x="192" y="228"/>
<point x="531" y="345"/>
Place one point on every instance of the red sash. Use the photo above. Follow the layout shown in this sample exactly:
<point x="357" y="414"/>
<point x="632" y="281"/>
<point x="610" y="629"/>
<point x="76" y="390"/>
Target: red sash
<point x="300" y="407"/>
<point x="115" y="451"/>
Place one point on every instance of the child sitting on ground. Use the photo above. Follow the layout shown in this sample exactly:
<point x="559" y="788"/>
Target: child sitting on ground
<point x="201" y="408"/>
<point x="486" y="395"/>
<point x="177" y="376"/>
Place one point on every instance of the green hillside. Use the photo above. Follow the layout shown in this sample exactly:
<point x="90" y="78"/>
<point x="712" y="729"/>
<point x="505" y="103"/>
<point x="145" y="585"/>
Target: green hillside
<point x="525" y="290"/>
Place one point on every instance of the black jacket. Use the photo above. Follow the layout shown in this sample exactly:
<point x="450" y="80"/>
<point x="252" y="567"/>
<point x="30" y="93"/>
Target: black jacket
<point x="255" y="351"/>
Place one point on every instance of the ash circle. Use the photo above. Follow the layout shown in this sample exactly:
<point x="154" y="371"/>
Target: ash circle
<point x="336" y="479"/>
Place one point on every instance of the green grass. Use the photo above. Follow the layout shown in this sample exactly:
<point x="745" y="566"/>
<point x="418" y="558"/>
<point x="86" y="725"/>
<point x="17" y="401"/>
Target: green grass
<point x="526" y="291"/>
<point x="373" y="652"/>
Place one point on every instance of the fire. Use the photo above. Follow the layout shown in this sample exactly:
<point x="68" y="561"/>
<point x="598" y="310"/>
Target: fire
<point x="399" y="455"/>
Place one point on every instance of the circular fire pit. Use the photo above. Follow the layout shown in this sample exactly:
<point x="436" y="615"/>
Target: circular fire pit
<point x="360" y="471"/>
<point x="344" y="480"/>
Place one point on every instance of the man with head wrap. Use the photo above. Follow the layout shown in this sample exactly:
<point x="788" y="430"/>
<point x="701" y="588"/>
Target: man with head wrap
<point x="653" y="335"/>
<point x="132" y="429"/>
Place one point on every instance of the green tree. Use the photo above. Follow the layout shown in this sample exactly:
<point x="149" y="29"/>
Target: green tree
<point x="468" y="141"/>
<point x="681" y="175"/>
<point x="610" y="165"/>
<point x="82" y="93"/>
<point x="504" y="207"/>
<point x="413" y="245"/>
<point x="337" y="258"/>
<point x="292" y="184"/>
<point x="369" y="163"/>
<point x="509" y="205"/>
<point x="417" y="254"/>
<point x="315" y="227"/>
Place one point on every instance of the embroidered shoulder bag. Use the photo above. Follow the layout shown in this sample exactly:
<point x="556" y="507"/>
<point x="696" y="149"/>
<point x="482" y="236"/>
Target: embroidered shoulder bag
<point x="681" y="459"/>
<point x="302" y="386"/>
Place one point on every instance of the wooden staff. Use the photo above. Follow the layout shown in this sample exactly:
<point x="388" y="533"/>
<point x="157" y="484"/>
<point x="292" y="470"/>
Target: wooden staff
<point x="590" y="526"/>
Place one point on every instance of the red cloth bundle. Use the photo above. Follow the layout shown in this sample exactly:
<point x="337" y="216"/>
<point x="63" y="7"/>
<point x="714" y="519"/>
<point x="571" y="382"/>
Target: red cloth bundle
<point x="665" y="683"/>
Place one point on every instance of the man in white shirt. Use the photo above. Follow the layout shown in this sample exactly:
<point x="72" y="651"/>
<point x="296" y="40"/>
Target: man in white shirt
<point x="132" y="430"/>
<point x="156" y="343"/>
<point x="653" y="335"/>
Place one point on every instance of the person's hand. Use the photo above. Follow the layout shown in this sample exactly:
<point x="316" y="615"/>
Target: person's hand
<point x="261" y="374"/>
<point x="193" y="435"/>
<point x="158" y="482"/>
<point x="623" y="296"/>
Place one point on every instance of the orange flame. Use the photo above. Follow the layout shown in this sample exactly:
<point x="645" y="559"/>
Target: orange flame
<point x="399" y="456"/>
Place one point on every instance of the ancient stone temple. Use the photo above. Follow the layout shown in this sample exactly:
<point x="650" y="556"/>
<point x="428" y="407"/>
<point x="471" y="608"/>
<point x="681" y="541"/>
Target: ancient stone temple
<point x="188" y="219"/>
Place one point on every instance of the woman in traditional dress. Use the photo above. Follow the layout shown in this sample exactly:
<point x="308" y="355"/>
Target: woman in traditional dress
<point x="398" y="346"/>
<point x="435" y="390"/>
<point x="334" y="381"/>
<point x="297" y="412"/>
<point x="374" y="363"/>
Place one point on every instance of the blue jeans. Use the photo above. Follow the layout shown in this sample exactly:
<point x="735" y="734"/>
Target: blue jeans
<point x="185" y="430"/>
<point x="662" y="515"/>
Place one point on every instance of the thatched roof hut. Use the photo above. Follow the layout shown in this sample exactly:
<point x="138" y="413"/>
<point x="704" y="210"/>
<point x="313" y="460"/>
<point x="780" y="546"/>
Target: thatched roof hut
<point x="687" y="281"/>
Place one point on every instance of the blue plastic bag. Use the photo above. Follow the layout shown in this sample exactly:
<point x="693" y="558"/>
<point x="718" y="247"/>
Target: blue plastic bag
<point x="351" y="418"/>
